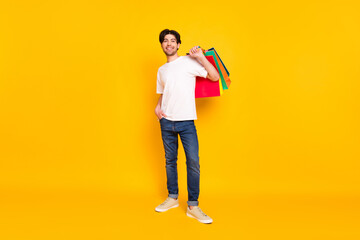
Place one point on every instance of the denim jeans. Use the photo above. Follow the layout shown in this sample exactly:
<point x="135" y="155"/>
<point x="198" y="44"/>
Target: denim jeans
<point x="188" y="135"/>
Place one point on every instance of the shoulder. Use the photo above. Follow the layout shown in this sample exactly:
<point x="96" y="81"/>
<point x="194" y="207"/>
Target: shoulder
<point x="187" y="58"/>
<point x="161" y="68"/>
<point x="190" y="60"/>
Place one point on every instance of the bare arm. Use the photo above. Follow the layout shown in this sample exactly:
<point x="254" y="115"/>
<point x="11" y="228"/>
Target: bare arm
<point x="158" y="112"/>
<point x="213" y="74"/>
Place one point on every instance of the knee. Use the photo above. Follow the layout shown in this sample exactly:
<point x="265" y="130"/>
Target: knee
<point x="193" y="163"/>
<point x="171" y="160"/>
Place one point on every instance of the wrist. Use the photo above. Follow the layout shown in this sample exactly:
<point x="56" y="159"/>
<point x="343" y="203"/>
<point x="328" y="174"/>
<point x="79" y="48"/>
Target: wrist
<point x="201" y="59"/>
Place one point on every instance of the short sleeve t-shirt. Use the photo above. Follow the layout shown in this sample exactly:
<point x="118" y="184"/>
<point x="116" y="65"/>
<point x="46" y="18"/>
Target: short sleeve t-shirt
<point x="176" y="81"/>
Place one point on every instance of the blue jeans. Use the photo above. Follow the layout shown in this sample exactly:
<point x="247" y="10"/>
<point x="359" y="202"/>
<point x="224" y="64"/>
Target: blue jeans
<point x="188" y="135"/>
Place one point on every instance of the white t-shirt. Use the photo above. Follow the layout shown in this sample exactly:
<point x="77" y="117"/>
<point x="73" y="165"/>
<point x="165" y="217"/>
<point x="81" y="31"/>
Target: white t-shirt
<point x="176" y="81"/>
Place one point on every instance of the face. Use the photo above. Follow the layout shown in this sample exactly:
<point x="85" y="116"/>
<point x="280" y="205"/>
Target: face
<point x="169" y="45"/>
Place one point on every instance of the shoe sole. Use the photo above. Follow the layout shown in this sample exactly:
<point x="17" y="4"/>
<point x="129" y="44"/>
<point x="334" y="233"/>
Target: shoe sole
<point x="164" y="210"/>
<point x="202" y="221"/>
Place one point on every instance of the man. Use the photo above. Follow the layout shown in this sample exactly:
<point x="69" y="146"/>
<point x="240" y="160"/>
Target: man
<point x="176" y="112"/>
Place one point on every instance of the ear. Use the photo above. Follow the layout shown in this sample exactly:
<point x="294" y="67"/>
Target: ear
<point x="178" y="46"/>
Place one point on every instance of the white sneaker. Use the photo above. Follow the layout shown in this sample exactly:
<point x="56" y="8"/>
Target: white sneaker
<point x="198" y="214"/>
<point x="167" y="204"/>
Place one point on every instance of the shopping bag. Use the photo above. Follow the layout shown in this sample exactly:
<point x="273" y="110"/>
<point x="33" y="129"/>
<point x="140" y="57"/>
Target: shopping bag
<point x="224" y="72"/>
<point x="220" y="60"/>
<point x="219" y="67"/>
<point x="205" y="87"/>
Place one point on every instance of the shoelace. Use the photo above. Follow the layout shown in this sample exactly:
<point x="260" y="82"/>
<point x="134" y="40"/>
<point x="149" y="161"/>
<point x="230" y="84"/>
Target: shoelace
<point x="166" y="200"/>
<point x="202" y="212"/>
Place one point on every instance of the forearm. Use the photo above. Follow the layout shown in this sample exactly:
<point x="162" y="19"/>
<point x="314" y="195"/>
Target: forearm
<point x="158" y="112"/>
<point x="212" y="72"/>
<point x="158" y="105"/>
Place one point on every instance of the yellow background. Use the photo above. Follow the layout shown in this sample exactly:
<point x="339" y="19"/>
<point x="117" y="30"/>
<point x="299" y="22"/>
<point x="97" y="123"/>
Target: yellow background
<point x="81" y="155"/>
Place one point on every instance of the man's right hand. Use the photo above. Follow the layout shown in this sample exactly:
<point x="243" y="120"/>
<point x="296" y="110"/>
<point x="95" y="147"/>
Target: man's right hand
<point x="159" y="113"/>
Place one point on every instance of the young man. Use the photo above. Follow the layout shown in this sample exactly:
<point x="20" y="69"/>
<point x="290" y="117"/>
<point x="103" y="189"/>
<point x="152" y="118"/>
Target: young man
<point x="176" y="112"/>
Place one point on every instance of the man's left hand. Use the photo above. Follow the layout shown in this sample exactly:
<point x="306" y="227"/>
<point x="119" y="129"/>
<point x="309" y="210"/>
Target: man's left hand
<point x="196" y="52"/>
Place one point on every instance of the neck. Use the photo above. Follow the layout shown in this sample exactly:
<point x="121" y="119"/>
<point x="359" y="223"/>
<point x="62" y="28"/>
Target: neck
<point x="172" y="58"/>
